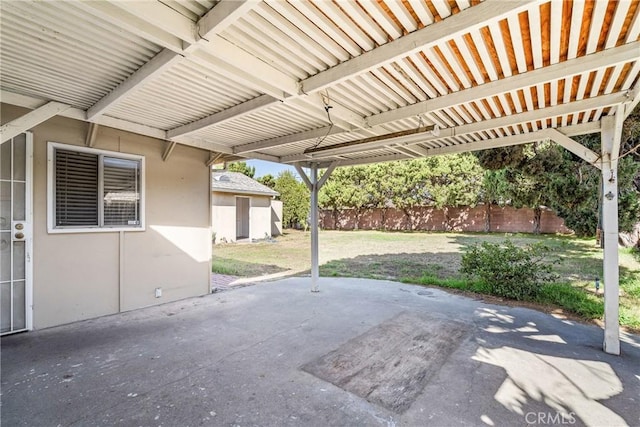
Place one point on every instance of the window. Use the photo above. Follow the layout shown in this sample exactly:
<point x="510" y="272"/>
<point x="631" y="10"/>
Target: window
<point x="94" y="190"/>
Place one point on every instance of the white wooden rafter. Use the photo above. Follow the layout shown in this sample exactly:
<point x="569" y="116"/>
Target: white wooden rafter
<point x="150" y="70"/>
<point x="215" y="21"/>
<point x="253" y="105"/>
<point x="419" y="40"/>
<point x="31" y="119"/>
<point x="522" y="118"/>
<point x="518" y="139"/>
<point x="619" y="55"/>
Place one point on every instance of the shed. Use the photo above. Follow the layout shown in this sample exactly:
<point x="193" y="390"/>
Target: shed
<point x="242" y="208"/>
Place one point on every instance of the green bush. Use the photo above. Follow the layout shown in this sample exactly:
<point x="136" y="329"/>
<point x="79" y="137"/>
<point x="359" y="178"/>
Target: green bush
<point x="508" y="270"/>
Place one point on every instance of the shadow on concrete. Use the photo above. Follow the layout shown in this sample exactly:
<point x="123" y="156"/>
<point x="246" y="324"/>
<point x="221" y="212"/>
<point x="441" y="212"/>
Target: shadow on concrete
<point x="238" y="358"/>
<point x="542" y="365"/>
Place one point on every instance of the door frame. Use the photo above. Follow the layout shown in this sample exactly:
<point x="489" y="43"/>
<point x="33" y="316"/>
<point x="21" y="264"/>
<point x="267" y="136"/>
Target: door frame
<point x="248" y="215"/>
<point x="28" y="268"/>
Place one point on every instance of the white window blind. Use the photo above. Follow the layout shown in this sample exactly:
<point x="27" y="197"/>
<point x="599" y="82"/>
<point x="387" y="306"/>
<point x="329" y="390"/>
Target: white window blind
<point x="95" y="189"/>
<point x="76" y="189"/>
<point x="121" y="192"/>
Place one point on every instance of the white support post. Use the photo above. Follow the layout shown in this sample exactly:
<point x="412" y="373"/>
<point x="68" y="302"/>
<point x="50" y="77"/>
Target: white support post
<point x="610" y="136"/>
<point x="314" y="186"/>
<point x="315" y="264"/>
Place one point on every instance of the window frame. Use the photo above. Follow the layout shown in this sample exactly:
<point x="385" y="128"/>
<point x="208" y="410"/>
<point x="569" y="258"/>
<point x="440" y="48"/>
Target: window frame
<point x="51" y="214"/>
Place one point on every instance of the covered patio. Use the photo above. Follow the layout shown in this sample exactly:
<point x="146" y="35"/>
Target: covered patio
<point x="361" y="352"/>
<point x="327" y="84"/>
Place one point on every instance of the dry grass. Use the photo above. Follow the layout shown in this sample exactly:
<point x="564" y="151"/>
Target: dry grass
<point x="434" y="259"/>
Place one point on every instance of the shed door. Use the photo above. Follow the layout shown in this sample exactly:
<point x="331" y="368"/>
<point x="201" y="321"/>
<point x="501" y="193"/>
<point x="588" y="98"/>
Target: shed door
<point x="242" y="217"/>
<point x="15" y="234"/>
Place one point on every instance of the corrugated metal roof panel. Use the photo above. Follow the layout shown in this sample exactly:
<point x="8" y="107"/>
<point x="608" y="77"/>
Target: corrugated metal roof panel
<point x="185" y="93"/>
<point x="55" y="51"/>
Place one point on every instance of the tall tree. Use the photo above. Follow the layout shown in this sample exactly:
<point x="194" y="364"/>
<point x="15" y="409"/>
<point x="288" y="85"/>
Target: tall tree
<point x="295" y="200"/>
<point x="575" y="193"/>
<point x="549" y="175"/>
<point x="243" y="168"/>
<point x="268" y="180"/>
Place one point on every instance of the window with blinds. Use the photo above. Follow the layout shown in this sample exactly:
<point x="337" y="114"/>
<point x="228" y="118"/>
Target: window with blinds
<point x="95" y="189"/>
<point x="121" y="191"/>
<point x="76" y="189"/>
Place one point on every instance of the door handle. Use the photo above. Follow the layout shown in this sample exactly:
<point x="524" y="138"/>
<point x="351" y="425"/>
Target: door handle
<point x="19" y="235"/>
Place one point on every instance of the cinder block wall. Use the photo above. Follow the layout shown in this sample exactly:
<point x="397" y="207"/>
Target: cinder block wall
<point x="505" y="219"/>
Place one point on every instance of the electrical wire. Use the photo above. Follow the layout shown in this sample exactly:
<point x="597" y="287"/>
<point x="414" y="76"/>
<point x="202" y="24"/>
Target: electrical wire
<point x="326" y="100"/>
<point x="632" y="150"/>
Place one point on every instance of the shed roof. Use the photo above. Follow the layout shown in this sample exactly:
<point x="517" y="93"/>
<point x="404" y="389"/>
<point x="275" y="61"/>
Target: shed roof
<point x="238" y="183"/>
<point x="322" y="81"/>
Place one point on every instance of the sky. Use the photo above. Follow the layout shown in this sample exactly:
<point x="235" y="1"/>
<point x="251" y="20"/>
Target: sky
<point x="264" y="168"/>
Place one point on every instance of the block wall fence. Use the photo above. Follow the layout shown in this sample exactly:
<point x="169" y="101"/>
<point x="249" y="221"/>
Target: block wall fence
<point x="482" y="218"/>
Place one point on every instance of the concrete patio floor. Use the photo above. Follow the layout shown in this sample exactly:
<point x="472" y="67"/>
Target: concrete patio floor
<point x="360" y="352"/>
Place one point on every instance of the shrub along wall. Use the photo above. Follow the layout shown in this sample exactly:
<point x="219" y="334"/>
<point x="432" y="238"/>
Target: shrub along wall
<point x="491" y="218"/>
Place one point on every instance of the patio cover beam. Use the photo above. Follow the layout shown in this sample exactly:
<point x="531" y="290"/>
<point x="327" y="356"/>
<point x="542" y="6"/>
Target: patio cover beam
<point x="149" y="71"/>
<point x="287" y="139"/>
<point x="605" y="58"/>
<point x="594" y="61"/>
<point x="33" y="118"/>
<point x="575" y="147"/>
<point x="219" y="54"/>
<point x="460" y="23"/>
<point x="222" y="16"/>
<point x="485" y="144"/>
<point x="251" y="106"/>
<point x="483" y="126"/>
<point x="215" y="21"/>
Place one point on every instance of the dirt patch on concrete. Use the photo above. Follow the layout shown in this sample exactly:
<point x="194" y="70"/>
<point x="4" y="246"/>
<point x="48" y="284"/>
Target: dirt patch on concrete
<point x="390" y="364"/>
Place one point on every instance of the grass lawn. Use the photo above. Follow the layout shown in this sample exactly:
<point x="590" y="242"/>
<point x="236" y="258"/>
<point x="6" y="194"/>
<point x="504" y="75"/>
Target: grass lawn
<point x="434" y="259"/>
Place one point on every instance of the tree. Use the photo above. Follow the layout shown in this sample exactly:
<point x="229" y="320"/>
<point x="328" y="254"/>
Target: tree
<point x="452" y="180"/>
<point x="546" y="174"/>
<point x="295" y="200"/>
<point x="333" y="196"/>
<point x="346" y="188"/>
<point x="243" y="168"/>
<point x="575" y="191"/>
<point x="268" y="180"/>
<point x="381" y="188"/>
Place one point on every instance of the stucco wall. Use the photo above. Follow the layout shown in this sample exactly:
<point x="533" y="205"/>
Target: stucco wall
<point x="223" y="213"/>
<point x="260" y="217"/>
<point x="84" y="275"/>
<point x="276" y="217"/>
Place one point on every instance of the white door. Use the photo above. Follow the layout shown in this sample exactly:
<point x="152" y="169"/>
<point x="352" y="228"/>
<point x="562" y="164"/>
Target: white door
<point x="242" y="217"/>
<point x="15" y="234"/>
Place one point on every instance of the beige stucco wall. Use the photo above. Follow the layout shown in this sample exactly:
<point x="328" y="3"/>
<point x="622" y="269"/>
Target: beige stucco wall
<point x="260" y="217"/>
<point x="84" y="275"/>
<point x="223" y="214"/>
<point x="276" y="217"/>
